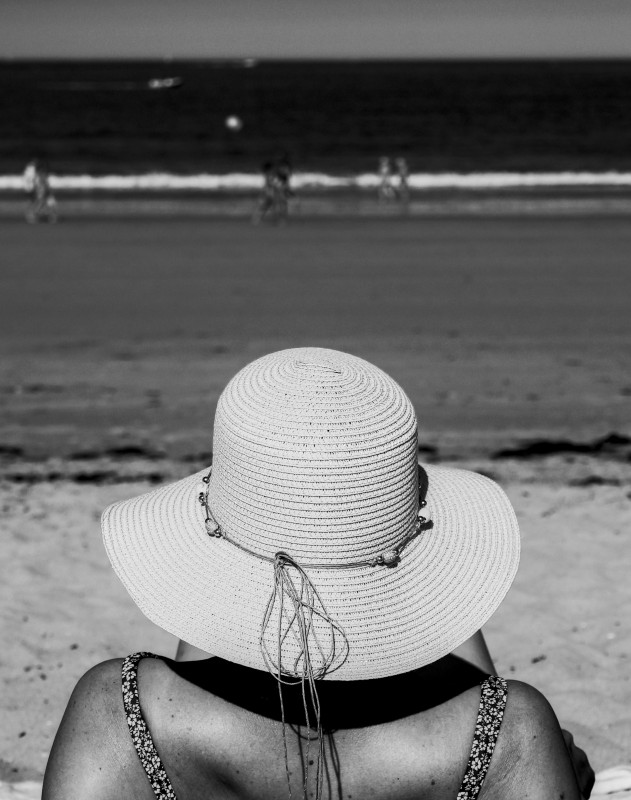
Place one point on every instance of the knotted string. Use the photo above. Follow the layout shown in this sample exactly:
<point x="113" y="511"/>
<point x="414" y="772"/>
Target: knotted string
<point x="302" y="620"/>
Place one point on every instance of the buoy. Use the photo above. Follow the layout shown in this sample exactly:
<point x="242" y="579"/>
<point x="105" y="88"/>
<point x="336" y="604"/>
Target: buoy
<point x="234" y="123"/>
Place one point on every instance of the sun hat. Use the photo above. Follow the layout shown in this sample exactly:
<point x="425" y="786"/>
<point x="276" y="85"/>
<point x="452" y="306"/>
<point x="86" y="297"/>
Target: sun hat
<point x="307" y="538"/>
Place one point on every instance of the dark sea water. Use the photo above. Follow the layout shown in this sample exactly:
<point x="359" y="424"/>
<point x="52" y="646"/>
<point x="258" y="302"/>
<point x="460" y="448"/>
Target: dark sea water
<point x="334" y="117"/>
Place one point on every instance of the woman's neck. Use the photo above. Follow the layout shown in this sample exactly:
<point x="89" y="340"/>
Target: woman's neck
<point x="345" y="704"/>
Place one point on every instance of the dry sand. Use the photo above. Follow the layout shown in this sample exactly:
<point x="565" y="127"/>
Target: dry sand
<point x="116" y="339"/>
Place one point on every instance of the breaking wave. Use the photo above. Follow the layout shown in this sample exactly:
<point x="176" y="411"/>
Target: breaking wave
<point x="244" y="182"/>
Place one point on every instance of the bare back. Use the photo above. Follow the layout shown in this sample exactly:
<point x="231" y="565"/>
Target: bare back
<point x="214" y="748"/>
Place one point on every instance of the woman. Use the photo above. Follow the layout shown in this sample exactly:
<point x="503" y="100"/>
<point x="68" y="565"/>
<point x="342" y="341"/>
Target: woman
<point x="329" y="592"/>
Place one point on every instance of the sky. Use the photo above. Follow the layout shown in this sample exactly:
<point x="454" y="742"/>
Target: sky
<point x="315" y="28"/>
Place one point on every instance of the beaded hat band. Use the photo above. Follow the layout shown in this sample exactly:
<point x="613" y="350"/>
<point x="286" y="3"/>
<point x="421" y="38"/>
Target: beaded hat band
<point x="389" y="558"/>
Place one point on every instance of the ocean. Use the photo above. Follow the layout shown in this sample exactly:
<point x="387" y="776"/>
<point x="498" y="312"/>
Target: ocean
<point x="468" y="124"/>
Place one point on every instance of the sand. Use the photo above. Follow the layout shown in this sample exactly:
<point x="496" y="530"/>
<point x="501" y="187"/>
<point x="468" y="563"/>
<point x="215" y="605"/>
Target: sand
<point x="512" y="337"/>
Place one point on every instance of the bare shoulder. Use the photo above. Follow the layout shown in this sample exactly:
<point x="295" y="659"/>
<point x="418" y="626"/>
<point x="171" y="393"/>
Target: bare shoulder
<point x="98" y="688"/>
<point x="93" y="755"/>
<point x="529" y="715"/>
<point x="531" y="759"/>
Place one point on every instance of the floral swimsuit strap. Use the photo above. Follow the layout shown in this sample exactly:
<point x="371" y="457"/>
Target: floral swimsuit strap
<point x="139" y="731"/>
<point x="487" y="728"/>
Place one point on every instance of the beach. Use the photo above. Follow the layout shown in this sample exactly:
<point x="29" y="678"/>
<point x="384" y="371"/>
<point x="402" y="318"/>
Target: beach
<point x="510" y="333"/>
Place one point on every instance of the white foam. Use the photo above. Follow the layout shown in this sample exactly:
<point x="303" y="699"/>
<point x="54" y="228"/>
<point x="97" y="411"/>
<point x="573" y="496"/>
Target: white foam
<point x="242" y="181"/>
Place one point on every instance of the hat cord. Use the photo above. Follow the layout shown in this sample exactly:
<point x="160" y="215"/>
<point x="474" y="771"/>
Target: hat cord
<point x="299" y="607"/>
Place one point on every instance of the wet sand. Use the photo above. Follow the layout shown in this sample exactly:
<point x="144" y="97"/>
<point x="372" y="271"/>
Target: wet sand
<point x="496" y="328"/>
<point x="511" y="336"/>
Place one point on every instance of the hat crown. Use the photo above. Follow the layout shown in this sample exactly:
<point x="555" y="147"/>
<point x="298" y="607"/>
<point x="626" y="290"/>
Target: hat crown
<point x="315" y="454"/>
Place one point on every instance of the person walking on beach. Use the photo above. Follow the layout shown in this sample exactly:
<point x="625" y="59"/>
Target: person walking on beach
<point x="403" y="186"/>
<point x="276" y="192"/>
<point x="386" y="190"/>
<point x="42" y="204"/>
<point x="268" y="198"/>
<point x="328" y="591"/>
<point x="29" y="178"/>
<point x="285" y="193"/>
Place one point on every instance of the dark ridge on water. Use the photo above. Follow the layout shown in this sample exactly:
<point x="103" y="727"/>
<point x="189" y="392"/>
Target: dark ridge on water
<point x="428" y="452"/>
<point x="99" y="117"/>
<point x="614" y="445"/>
<point x="11" y="451"/>
<point x="96" y="477"/>
<point x="124" y="451"/>
<point x="198" y="458"/>
<point x="595" y="480"/>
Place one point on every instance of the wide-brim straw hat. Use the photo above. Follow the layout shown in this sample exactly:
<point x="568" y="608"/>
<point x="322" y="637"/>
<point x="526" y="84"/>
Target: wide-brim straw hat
<point x="315" y="456"/>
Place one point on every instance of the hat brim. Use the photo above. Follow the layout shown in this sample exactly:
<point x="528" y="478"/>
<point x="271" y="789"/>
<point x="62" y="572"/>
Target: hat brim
<point x="208" y="592"/>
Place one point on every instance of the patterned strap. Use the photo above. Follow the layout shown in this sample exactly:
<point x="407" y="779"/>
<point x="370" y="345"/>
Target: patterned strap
<point x="487" y="728"/>
<point x="139" y="731"/>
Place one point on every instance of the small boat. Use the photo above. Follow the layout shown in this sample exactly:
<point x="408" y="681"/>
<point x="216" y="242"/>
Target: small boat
<point x="165" y="83"/>
<point x="115" y="86"/>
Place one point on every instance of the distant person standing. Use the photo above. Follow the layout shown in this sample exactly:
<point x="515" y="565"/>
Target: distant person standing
<point x="386" y="190"/>
<point x="276" y="192"/>
<point x="284" y="172"/>
<point x="42" y="203"/>
<point x="29" y="178"/>
<point x="403" y="185"/>
<point x="46" y="201"/>
<point x="29" y="174"/>
<point x="267" y="200"/>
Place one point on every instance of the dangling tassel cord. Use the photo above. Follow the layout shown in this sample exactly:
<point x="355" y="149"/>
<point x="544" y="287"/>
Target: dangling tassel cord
<point x="300" y="621"/>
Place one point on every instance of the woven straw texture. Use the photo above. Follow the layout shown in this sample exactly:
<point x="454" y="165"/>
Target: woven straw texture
<point x="315" y="454"/>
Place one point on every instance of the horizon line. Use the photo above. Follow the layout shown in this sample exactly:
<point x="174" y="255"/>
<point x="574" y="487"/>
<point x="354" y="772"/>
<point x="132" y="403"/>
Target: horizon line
<point x="257" y="59"/>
